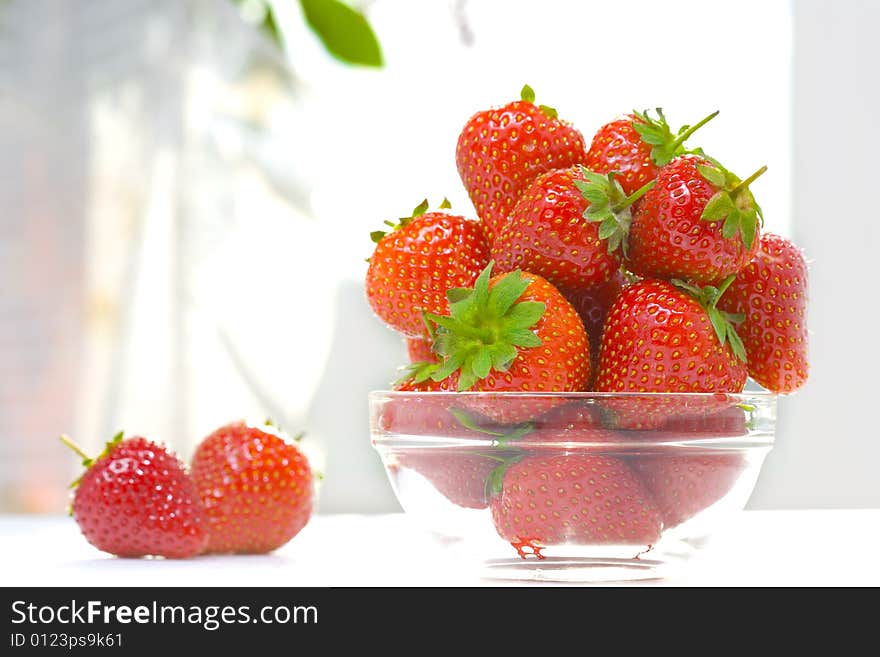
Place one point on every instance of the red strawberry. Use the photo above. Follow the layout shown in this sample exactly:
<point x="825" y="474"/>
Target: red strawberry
<point x="592" y="305"/>
<point x="136" y="499"/>
<point x="551" y="233"/>
<point x="419" y="351"/>
<point x="458" y="475"/>
<point x="515" y="332"/>
<point x="413" y="266"/>
<point x="684" y="485"/>
<point x="771" y="293"/>
<point x="502" y="150"/>
<point x="256" y="486"/>
<point x="698" y="222"/>
<point x="636" y="146"/>
<point x="584" y="499"/>
<point x="659" y="338"/>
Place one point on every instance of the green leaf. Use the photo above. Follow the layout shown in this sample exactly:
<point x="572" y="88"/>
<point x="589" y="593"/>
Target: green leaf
<point x="456" y="294"/>
<point x="482" y="363"/>
<point x="713" y="175"/>
<point x="344" y="31"/>
<point x="549" y="112"/>
<point x="597" y="196"/>
<point x="506" y="291"/>
<point x="525" y="314"/>
<point x="466" y="380"/>
<point x="420" y="209"/>
<point x="607" y="228"/>
<point x="527" y="94"/>
<point x="377" y="235"/>
<point x="521" y="337"/>
<point x="748" y="226"/>
<point x="736" y="344"/>
<point x="718" y="323"/>
<point x="502" y="356"/>
<point x="718" y="207"/>
<point x="731" y="224"/>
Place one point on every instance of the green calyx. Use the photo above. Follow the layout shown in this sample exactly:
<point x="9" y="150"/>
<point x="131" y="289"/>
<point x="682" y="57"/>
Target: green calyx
<point x="485" y="328"/>
<point x="656" y="132"/>
<point x="723" y="322"/>
<point x="495" y="480"/>
<point x="609" y="206"/>
<point x="87" y="460"/>
<point x="418" y="211"/>
<point x="733" y="203"/>
<point x="528" y="95"/>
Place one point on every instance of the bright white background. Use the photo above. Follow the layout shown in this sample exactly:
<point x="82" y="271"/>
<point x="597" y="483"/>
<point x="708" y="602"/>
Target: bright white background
<point x="201" y="254"/>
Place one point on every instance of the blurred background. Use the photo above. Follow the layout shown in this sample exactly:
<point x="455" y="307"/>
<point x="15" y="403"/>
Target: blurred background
<point x="187" y="189"/>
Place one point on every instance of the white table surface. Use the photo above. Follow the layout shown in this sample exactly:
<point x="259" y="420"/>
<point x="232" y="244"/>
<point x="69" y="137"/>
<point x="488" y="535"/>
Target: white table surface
<point x="763" y="548"/>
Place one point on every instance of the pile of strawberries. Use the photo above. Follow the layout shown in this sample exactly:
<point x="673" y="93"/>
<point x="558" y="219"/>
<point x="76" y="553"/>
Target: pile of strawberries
<point x="632" y="264"/>
<point x="250" y="491"/>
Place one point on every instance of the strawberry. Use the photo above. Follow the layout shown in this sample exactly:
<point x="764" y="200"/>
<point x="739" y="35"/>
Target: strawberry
<point x="419" y="350"/>
<point x="414" y="264"/>
<point x="256" y="486"/>
<point x="459" y="475"/>
<point x="684" y="485"/>
<point x="636" y="146"/>
<point x="660" y="338"/>
<point x="513" y="332"/>
<point x="699" y="222"/>
<point x="136" y="499"/>
<point x="572" y="498"/>
<point x="567" y="227"/>
<point x="771" y="292"/>
<point x="592" y="305"/>
<point x="502" y="150"/>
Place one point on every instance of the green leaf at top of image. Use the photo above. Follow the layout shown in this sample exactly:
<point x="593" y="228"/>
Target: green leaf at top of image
<point x="344" y="31"/>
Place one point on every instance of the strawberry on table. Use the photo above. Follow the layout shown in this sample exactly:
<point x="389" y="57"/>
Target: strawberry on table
<point x="415" y="263"/>
<point x="502" y="150"/>
<point x="636" y="146"/>
<point x="699" y="222"/>
<point x="568" y="227"/>
<point x="136" y="499"/>
<point x="771" y="293"/>
<point x="574" y="498"/>
<point x="256" y="486"/>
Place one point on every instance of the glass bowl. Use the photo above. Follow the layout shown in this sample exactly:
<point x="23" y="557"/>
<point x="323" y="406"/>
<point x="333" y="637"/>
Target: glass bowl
<point x="584" y="487"/>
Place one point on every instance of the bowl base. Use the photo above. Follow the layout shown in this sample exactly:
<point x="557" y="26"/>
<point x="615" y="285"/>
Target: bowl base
<point x="583" y="570"/>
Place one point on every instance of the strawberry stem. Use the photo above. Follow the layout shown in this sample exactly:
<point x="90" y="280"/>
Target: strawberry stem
<point x="748" y="181"/>
<point x="635" y="196"/>
<point x="76" y="448"/>
<point x="687" y="133"/>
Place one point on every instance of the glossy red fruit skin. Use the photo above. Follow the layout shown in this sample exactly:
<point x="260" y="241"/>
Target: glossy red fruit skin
<point x="771" y="291"/>
<point x="617" y="146"/>
<point x="257" y="488"/>
<point x="139" y="501"/>
<point x="419" y="351"/>
<point x="500" y="151"/>
<point x="412" y="268"/>
<point x="573" y="498"/>
<point x="683" y="485"/>
<point x="657" y="338"/>
<point x="592" y="305"/>
<point x="546" y="234"/>
<point x="667" y="238"/>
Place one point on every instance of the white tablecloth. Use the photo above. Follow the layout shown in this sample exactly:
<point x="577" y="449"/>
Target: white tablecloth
<point x="763" y="548"/>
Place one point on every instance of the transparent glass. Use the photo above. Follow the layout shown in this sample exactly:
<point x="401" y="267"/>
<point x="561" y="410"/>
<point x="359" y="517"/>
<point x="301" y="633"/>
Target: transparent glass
<point x="573" y="487"/>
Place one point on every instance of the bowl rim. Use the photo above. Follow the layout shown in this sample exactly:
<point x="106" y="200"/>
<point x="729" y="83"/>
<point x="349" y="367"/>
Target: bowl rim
<point x="760" y="394"/>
